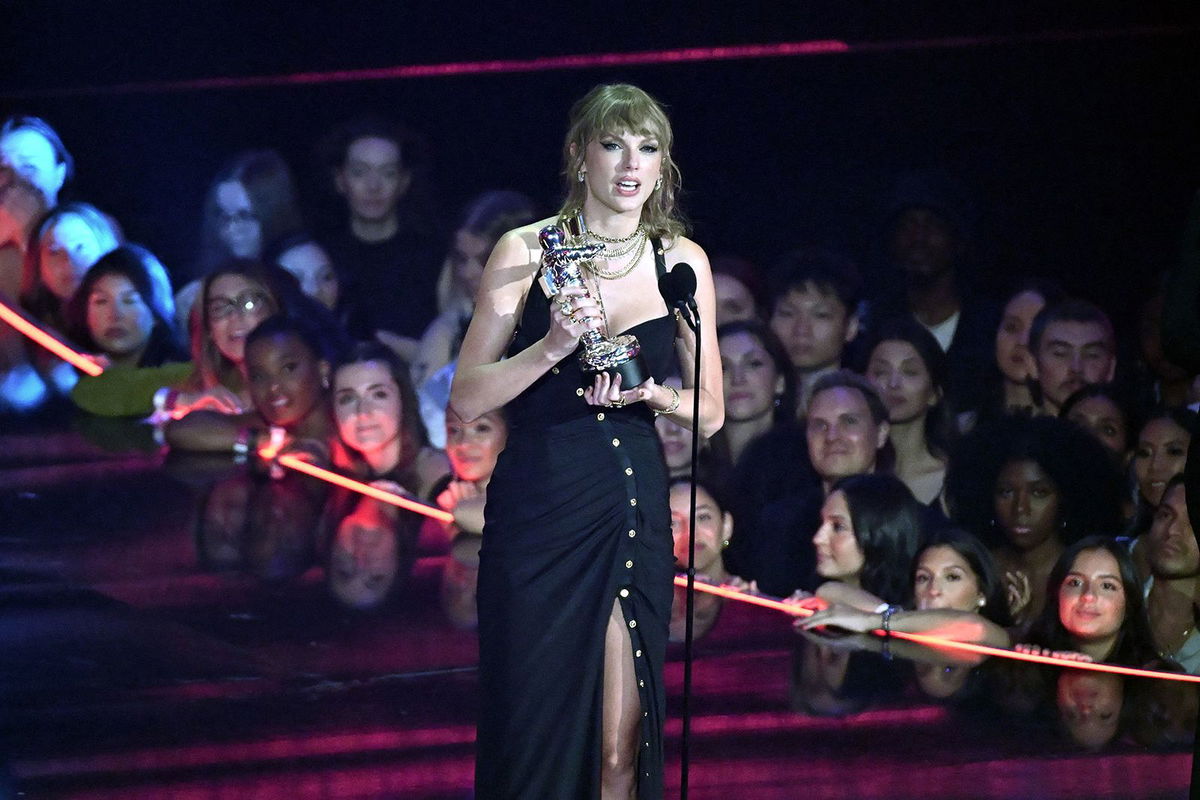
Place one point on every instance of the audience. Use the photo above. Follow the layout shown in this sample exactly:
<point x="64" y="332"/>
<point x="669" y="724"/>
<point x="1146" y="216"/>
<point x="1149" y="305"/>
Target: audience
<point x="1073" y="346"/>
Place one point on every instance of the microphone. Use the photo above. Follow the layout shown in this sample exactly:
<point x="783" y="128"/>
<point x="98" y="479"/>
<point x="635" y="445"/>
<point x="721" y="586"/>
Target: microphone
<point x="678" y="288"/>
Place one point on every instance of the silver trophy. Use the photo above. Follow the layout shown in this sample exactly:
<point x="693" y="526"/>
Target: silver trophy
<point x="620" y="355"/>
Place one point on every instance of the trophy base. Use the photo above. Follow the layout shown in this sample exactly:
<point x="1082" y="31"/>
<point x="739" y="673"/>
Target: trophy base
<point x="620" y="356"/>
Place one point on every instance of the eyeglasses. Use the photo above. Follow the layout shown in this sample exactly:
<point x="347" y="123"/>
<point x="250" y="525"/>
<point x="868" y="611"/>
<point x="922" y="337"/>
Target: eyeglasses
<point x="240" y="217"/>
<point x="247" y="302"/>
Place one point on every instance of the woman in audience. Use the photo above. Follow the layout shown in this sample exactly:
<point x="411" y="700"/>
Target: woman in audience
<point x="1100" y="411"/>
<point x="382" y="437"/>
<point x="1012" y="345"/>
<point x="908" y="367"/>
<point x="739" y="289"/>
<point x="251" y="202"/>
<point x="714" y="526"/>
<point x="1029" y="487"/>
<point x="307" y="261"/>
<point x="758" y="385"/>
<point x="1097" y="612"/>
<point x="1159" y="453"/>
<point x="484" y="220"/>
<point x="65" y="244"/>
<point x="472" y="449"/>
<point x="287" y="373"/>
<point x="118" y="314"/>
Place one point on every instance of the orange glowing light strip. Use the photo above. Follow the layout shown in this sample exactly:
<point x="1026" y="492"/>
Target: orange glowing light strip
<point x="35" y="332"/>
<point x="937" y="641"/>
<point x="300" y="465"/>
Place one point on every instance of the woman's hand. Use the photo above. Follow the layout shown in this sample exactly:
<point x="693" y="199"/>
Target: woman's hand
<point x="1062" y="655"/>
<point x="1017" y="591"/>
<point x="841" y="616"/>
<point x="572" y="312"/>
<point x="455" y="492"/>
<point x="218" y="398"/>
<point x="606" y="391"/>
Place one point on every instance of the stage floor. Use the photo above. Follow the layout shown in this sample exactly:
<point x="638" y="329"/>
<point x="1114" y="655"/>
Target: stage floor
<point x="184" y="628"/>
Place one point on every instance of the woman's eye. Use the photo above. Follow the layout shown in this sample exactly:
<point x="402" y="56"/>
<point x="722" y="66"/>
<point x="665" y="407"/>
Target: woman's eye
<point x="1110" y="586"/>
<point x="953" y="576"/>
<point x="1074" y="583"/>
<point x="649" y="148"/>
<point x="610" y="145"/>
<point x="921" y="578"/>
<point x="345" y="399"/>
<point x="1176" y="452"/>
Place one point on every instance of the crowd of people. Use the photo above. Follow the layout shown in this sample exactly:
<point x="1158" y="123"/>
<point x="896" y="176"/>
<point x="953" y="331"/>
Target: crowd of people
<point x="916" y="457"/>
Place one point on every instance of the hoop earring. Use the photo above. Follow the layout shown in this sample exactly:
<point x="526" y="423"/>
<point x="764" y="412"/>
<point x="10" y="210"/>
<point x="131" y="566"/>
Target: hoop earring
<point x="579" y="175"/>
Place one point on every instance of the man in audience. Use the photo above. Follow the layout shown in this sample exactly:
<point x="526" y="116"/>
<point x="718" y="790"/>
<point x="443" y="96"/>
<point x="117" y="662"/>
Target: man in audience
<point x="1073" y="345"/>
<point x="928" y="240"/>
<point x="847" y="428"/>
<point x="815" y="313"/>
<point x="1173" y="559"/>
<point x="389" y="256"/>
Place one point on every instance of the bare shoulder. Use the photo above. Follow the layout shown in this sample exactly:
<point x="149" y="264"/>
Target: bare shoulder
<point x="682" y="250"/>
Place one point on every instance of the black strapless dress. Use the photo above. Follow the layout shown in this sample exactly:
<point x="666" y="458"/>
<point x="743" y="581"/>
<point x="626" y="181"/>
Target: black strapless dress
<point x="577" y="516"/>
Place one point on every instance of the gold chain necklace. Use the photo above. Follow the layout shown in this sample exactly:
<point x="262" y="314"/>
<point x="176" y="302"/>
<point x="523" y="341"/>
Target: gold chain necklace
<point x="622" y="240"/>
<point x="620" y="272"/>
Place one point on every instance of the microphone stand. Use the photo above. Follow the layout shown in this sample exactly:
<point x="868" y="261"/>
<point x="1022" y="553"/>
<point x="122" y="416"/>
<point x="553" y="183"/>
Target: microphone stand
<point x="691" y="315"/>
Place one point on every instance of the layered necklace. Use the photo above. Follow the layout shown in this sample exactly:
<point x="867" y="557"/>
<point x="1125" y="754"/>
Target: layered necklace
<point x="631" y="247"/>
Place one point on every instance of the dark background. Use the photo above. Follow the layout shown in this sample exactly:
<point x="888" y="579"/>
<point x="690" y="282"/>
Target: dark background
<point x="1075" y="125"/>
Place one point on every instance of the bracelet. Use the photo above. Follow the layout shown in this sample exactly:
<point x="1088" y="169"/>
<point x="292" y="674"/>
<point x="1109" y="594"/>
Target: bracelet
<point x="887" y="619"/>
<point x="241" y="445"/>
<point x="674" y="404"/>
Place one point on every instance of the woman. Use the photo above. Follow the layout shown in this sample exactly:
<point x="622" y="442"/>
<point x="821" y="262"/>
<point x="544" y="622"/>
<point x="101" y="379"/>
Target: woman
<point x="1098" y="613"/>
<point x="575" y="571"/>
<point x="65" y="244"/>
<point x="1028" y="487"/>
<point x="383" y="438"/>
<point x="1099" y="410"/>
<point x="287" y="372"/>
<point x="908" y="367"/>
<point x="1013" y="359"/>
<point x="120" y="312"/>
<point x="759" y="387"/>
<point x="714" y="526"/>
<point x="472" y="448"/>
<point x="1160" y="453"/>
<point x="955" y="593"/>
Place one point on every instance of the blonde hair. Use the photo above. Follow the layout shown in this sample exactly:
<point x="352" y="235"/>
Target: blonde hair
<point x="620" y="108"/>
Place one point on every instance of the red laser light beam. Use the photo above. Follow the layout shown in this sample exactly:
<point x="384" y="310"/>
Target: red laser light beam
<point x="939" y="642"/>
<point x="815" y="47"/>
<point x="300" y="465"/>
<point x="41" y="336"/>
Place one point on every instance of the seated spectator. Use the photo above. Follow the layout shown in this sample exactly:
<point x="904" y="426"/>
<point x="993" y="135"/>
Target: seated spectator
<point x="1097" y="612"/>
<point x="310" y="265"/>
<point x="908" y="369"/>
<point x="929" y="238"/>
<point x="472" y="449"/>
<point x="1029" y="488"/>
<point x="250" y="203"/>
<point x="1159" y="454"/>
<point x="956" y="594"/>
<point x="382" y="437"/>
<point x="739" y="289"/>
<point x="65" y="244"/>
<point x="1099" y="410"/>
<point x="846" y="429"/>
<point x="677" y="440"/>
<point x="485" y="220"/>
<point x="389" y="251"/>
<point x="1013" y="359"/>
<point x="287" y="373"/>
<point x="1073" y="345"/>
<point x="758" y="387"/>
<point x="120" y="314"/>
<point x="1171" y="590"/>
<point x="714" y="526"/>
<point x="815" y="314"/>
<point x="34" y="166"/>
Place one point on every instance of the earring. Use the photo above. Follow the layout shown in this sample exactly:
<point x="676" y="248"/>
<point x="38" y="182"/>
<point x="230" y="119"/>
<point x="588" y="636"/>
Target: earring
<point x="658" y="183"/>
<point x="982" y="602"/>
<point x="325" y="383"/>
<point x="724" y="543"/>
<point x="579" y="175"/>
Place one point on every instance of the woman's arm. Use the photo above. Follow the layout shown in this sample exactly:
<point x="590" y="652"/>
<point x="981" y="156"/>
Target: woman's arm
<point x="957" y="626"/>
<point x="662" y="399"/>
<point x="847" y="595"/>
<point x="211" y="431"/>
<point x="482" y="381"/>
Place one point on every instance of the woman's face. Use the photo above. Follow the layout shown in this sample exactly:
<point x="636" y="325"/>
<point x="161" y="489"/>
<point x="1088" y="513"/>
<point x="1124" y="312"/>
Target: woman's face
<point x="363" y="561"/>
<point x="234" y="307"/>
<point x="1012" y="337"/>
<point x="238" y="227"/>
<point x="472" y="447"/>
<point x="676" y="439"/>
<point x="1026" y="504"/>
<point x="750" y="379"/>
<point x="467" y="257"/>
<point x="734" y="301"/>
<point x="69" y="248"/>
<point x="838" y="555"/>
<point x="713" y="528"/>
<point x="944" y="579"/>
<point x="1091" y="598"/>
<point x="621" y="169"/>
<point x="899" y="373"/>
<point x="367" y="405"/>
<point x="285" y="379"/>
<point x="1101" y="417"/>
<point x="118" y="318"/>
<point x="1161" y="453"/>
<point x="314" y="270"/>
